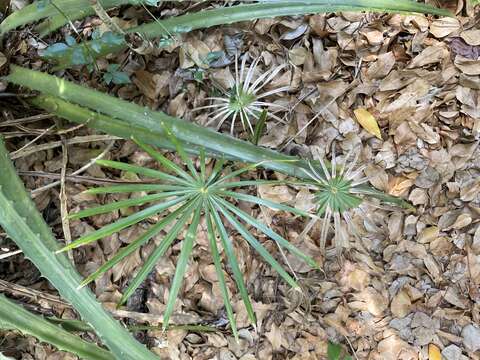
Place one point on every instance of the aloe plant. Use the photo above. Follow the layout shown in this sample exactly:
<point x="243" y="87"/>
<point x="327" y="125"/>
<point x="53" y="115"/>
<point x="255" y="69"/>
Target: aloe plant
<point x="13" y="316"/>
<point x="59" y="12"/>
<point x="23" y="223"/>
<point x="232" y="14"/>
<point x="56" y="13"/>
<point x="121" y="118"/>
<point x="183" y="196"/>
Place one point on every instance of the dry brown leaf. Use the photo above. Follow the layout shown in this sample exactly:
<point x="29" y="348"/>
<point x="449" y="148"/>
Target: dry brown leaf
<point x="471" y="37"/>
<point x="444" y="26"/>
<point x="368" y="122"/>
<point x="467" y="66"/>
<point x="430" y="55"/>
<point x="401" y="304"/>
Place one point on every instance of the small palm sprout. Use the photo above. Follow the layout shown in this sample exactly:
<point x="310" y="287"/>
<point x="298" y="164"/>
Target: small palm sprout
<point x="243" y="99"/>
<point x="339" y="190"/>
<point x="183" y="198"/>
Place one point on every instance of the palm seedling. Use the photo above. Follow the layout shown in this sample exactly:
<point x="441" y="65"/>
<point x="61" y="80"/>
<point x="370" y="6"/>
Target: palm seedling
<point x="183" y="198"/>
<point x="339" y="189"/>
<point x="246" y="98"/>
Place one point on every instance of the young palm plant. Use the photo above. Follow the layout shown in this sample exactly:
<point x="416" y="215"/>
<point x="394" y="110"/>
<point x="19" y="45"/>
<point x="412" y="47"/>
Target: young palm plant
<point x="339" y="189"/>
<point x="246" y="99"/>
<point x="184" y="197"/>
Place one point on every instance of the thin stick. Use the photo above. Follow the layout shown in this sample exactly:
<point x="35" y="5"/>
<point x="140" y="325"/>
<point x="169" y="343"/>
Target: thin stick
<point x="10" y="253"/>
<point x="76" y="172"/>
<point x="51" y="145"/>
<point x="63" y="200"/>
<point x="22" y="149"/>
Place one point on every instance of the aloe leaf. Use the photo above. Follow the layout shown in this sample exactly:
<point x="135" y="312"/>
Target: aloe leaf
<point x="249" y="12"/>
<point x="148" y="130"/>
<point x="125" y="204"/>
<point x="232" y="260"/>
<point x="158" y="252"/>
<point x="116" y="189"/>
<point x="181" y="265"/>
<point x="22" y="320"/>
<point x="122" y="223"/>
<point x="24" y="224"/>
<point x="164" y="161"/>
<point x="270" y="233"/>
<point x="141" y="171"/>
<point x="74" y="9"/>
<point x="256" y="245"/>
<point x="263" y="202"/>
<point x="134" y="245"/>
<point x="136" y="116"/>
<point x="221" y="277"/>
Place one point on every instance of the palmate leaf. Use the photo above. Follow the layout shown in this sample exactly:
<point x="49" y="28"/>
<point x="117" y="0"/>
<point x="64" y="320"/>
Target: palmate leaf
<point x="184" y="197"/>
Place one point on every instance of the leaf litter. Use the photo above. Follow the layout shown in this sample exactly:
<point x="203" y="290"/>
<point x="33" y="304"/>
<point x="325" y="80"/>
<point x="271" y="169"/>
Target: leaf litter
<point x="405" y="89"/>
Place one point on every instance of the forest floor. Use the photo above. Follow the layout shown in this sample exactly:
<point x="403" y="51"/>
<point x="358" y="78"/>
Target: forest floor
<point x="410" y="291"/>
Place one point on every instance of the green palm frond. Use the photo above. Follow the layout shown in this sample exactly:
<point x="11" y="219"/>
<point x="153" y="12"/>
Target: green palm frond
<point x="182" y="198"/>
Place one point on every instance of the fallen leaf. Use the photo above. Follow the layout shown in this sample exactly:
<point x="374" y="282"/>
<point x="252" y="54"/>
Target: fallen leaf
<point x="471" y="37"/>
<point x="368" y="122"/>
<point x="434" y="352"/>
<point x="444" y="26"/>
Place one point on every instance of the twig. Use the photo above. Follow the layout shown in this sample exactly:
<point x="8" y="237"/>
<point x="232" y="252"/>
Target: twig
<point x="10" y="253"/>
<point x="22" y="149"/>
<point x="63" y="199"/>
<point x="26" y="120"/>
<point x="76" y="172"/>
<point x="54" y="144"/>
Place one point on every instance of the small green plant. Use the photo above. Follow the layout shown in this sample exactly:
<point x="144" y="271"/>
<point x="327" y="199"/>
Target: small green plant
<point x="336" y="352"/>
<point x="114" y="75"/>
<point x="243" y="99"/>
<point x="338" y="190"/>
<point x="183" y="197"/>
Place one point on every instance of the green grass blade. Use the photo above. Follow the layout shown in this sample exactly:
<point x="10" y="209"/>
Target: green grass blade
<point x="24" y="225"/>
<point x="122" y="204"/>
<point x="122" y="223"/>
<point x="158" y="252"/>
<point x="142" y="171"/>
<point x="259" y="126"/>
<point x="181" y="266"/>
<point x="256" y="245"/>
<point x="134" y="245"/>
<point x="27" y="323"/>
<point x="232" y="260"/>
<point x="270" y="233"/>
<point x="263" y="202"/>
<point x="164" y="161"/>
<point x="116" y="189"/>
<point x="221" y="277"/>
